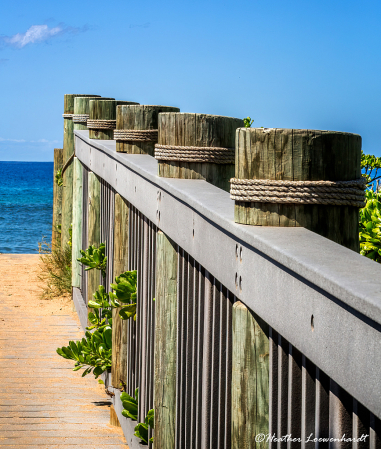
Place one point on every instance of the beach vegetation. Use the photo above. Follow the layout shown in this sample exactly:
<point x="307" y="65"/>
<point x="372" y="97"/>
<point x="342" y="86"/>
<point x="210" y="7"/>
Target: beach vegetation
<point x="141" y="430"/>
<point x="55" y="269"/>
<point x="94" y="257"/>
<point x="370" y="215"/>
<point x="59" y="178"/>
<point x="248" y="121"/>
<point x="93" y="352"/>
<point x="130" y="405"/>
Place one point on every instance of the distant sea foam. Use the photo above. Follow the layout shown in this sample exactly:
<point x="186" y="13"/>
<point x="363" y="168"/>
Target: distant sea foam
<point x="26" y="205"/>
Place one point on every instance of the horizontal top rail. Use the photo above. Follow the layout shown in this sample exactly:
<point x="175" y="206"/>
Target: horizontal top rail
<point x="322" y="297"/>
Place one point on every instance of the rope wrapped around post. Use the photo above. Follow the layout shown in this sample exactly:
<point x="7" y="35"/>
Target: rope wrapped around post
<point x="80" y="118"/>
<point x="337" y="193"/>
<point x="214" y="155"/>
<point x="101" y="124"/>
<point x="136" y="135"/>
<point x="67" y="115"/>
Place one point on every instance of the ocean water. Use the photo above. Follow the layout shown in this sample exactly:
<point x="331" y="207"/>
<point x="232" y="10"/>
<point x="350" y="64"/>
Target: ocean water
<point x="26" y="205"/>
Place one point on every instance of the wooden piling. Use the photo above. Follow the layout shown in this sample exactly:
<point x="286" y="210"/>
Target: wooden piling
<point x="139" y="117"/>
<point x="198" y="130"/>
<point x="119" y="326"/>
<point x="68" y="151"/>
<point x="250" y="379"/>
<point x="82" y="111"/>
<point x="57" y="199"/>
<point x="300" y="155"/>
<point x="94" y="230"/>
<point x="165" y="342"/>
<point x="77" y="222"/>
<point x="104" y="110"/>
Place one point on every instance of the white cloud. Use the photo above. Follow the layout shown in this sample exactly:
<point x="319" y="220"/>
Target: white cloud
<point x="39" y="33"/>
<point x="11" y="140"/>
<point x="36" y="33"/>
<point x="2" y="139"/>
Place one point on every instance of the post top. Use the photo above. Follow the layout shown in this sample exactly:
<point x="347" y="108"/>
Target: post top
<point x="206" y="116"/>
<point x="298" y="131"/>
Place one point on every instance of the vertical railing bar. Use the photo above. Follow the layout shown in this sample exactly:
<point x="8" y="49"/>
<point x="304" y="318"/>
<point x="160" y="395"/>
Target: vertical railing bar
<point x="228" y="369"/>
<point x="150" y="324"/>
<point x="200" y="355"/>
<point x="144" y="317"/>
<point x="273" y="387"/>
<point x="282" y="390"/>
<point x="340" y="414"/>
<point x="179" y="347"/>
<point x="215" y="365"/>
<point x="140" y="307"/>
<point x="188" y="350"/>
<point x="374" y="432"/>
<point x="361" y="425"/>
<point x="294" y="417"/>
<point x="183" y="337"/>
<point x="207" y="359"/>
<point x="223" y="306"/>
<point x="195" y="305"/>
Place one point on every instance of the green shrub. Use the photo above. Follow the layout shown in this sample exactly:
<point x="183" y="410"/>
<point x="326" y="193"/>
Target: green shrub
<point x="370" y="227"/>
<point x="94" y="257"/>
<point x="141" y="430"/>
<point x="248" y="122"/>
<point x="125" y="292"/>
<point x="55" y="269"/>
<point x="93" y="352"/>
<point x="58" y="178"/>
<point x="130" y="405"/>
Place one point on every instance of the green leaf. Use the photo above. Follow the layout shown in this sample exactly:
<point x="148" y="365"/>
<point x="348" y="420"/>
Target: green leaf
<point x="150" y="418"/>
<point x="141" y="431"/>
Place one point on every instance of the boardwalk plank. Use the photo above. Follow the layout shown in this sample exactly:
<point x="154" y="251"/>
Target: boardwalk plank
<point x="43" y="403"/>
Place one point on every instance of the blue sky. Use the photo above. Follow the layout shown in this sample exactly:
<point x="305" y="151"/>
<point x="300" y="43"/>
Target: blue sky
<point x="296" y="64"/>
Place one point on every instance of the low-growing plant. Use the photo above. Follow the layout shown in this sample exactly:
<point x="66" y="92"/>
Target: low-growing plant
<point x="130" y="405"/>
<point x="102" y="309"/>
<point x="141" y="430"/>
<point x="94" y="257"/>
<point x="370" y="226"/>
<point x="55" y="269"/>
<point x="125" y="292"/>
<point x="58" y="178"/>
<point x="370" y="165"/>
<point x="93" y="352"/>
<point x="248" y="122"/>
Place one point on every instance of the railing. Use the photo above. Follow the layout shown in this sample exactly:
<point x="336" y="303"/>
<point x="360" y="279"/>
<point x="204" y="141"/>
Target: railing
<point x="304" y="359"/>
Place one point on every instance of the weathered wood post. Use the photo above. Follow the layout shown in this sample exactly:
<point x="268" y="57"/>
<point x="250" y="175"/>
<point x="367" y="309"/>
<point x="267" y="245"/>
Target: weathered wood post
<point x="197" y="146"/>
<point x="82" y="111"/>
<point x="77" y="222"/>
<point x="282" y="179"/>
<point x="57" y="199"/>
<point x="137" y="128"/>
<point x="119" y="326"/>
<point x="165" y="342"/>
<point x="102" y="120"/>
<point x="94" y="230"/>
<point x="68" y="153"/>
<point x="250" y="379"/>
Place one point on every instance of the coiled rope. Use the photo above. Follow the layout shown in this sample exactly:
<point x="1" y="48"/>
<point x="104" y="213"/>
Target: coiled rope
<point x="101" y="124"/>
<point x="80" y="118"/>
<point x="215" y="155"/>
<point x="136" y="135"/>
<point x="337" y="193"/>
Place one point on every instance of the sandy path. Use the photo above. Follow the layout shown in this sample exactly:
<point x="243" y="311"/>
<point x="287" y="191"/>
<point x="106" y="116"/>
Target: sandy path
<point x="43" y="403"/>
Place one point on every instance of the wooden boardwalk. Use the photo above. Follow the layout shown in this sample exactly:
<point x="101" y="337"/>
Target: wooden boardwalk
<point x="43" y="403"/>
